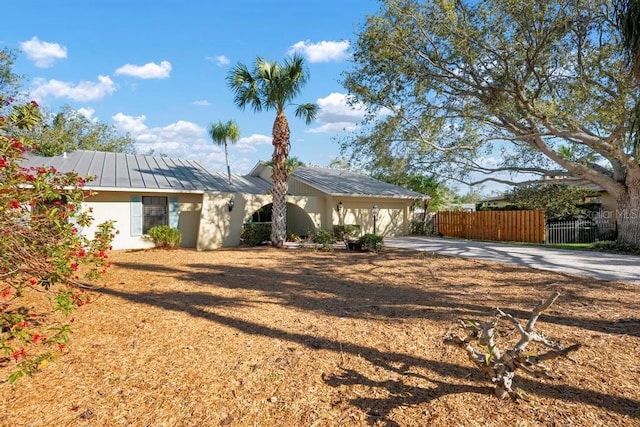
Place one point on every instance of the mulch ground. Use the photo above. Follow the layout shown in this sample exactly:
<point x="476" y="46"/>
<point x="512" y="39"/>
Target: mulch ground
<point x="297" y="337"/>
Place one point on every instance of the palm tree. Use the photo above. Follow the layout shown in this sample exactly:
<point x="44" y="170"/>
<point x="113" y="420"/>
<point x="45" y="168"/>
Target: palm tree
<point x="291" y="164"/>
<point x="221" y="133"/>
<point x="272" y="86"/>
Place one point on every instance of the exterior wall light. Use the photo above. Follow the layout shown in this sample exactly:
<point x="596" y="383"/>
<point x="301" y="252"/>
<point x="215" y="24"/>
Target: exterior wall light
<point x="231" y="203"/>
<point x="374" y="211"/>
<point x="340" y="207"/>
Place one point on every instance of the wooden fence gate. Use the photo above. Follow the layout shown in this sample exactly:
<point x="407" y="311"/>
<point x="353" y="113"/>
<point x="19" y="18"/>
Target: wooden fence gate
<point x="516" y="226"/>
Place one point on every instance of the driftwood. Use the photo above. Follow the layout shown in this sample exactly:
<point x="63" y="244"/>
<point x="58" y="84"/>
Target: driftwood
<point x="501" y="367"/>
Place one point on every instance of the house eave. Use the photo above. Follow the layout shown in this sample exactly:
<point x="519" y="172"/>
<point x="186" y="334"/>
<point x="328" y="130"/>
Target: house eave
<point x="148" y="190"/>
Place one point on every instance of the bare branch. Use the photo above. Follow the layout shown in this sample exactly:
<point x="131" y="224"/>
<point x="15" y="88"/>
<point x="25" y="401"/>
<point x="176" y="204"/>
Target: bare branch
<point x="501" y="367"/>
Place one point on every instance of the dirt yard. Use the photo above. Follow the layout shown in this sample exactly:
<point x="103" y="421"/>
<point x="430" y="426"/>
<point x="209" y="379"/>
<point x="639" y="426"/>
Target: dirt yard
<point x="297" y="337"/>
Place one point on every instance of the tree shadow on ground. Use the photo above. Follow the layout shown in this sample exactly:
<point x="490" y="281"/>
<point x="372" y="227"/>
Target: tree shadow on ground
<point x="367" y="292"/>
<point x="203" y="305"/>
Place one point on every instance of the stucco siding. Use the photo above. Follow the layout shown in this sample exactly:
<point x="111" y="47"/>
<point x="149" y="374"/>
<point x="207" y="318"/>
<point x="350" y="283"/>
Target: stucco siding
<point x="392" y="219"/>
<point x="116" y="206"/>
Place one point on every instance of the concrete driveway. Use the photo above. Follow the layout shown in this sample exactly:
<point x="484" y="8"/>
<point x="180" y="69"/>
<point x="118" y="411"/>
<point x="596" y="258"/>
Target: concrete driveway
<point x="604" y="266"/>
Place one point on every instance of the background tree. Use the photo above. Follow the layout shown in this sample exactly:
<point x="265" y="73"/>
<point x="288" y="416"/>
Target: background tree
<point x="9" y="81"/>
<point x="559" y="201"/>
<point x="499" y="86"/>
<point x="273" y="86"/>
<point x="221" y="133"/>
<point x="628" y="18"/>
<point x="70" y="130"/>
<point x="439" y="194"/>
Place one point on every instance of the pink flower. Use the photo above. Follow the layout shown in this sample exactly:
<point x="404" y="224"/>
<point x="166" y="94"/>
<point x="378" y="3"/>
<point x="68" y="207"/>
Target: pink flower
<point x="19" y="353"/>
<point x="5" y="292"/>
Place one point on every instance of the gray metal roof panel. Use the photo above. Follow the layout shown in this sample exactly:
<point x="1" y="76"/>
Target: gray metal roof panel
<point x="130" y="171"/>
<point x="248" y="184"/>
<point x="346" y="183"/>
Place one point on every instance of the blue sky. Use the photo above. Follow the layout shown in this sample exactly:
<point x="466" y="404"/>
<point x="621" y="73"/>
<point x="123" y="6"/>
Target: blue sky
<point x="157" y="69"/>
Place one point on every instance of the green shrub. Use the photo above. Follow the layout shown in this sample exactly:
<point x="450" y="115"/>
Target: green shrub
<point x="164" y="236"/>
<point x="371" y="242"/>
<point x="346" y="231"/>
<point x="418" y="228"/>
<point x="293" y="237"/>
<point x="324" y="237"/>
<point x="612" y="246"/>
<point x="256" y="233"/>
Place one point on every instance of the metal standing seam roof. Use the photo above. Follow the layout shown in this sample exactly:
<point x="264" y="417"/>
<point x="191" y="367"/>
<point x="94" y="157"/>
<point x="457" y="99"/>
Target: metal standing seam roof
<point x="120" y="171"/>
<point x="336" y="182"/>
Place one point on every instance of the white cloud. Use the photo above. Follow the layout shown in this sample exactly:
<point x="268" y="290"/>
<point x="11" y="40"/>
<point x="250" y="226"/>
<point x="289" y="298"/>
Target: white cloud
<point x="248" y="144"/>
<point x="182" y="139"/>
<point x="88" y="113"/>
<point x="220" y="60"/>
<point x="130" y="124"/>
<point x="43" y="54"/>
<point x="84" y="91"/>
<point x="201" y="103"/>
<point x="150" y="70"/>
<point x="335" y="127"/>
<point x="336" y="115"/>
<point x="335" y="108"/>
<point x="324" y="51"/>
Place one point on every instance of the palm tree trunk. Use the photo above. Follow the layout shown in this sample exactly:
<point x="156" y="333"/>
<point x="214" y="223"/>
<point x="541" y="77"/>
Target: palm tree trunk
<point x="279" y="177"/>
<point x="226" y="156"/>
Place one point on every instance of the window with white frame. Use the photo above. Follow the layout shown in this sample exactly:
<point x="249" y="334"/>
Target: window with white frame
<point x="150" y="211"/>
<point x="155" y="212"/>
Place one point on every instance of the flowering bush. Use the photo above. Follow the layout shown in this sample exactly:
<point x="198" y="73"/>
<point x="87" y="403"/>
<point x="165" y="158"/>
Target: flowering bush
<point x="40" y="246"/>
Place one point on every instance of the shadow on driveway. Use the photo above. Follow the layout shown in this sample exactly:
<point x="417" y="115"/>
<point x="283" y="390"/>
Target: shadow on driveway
<point x="603" y="266"/>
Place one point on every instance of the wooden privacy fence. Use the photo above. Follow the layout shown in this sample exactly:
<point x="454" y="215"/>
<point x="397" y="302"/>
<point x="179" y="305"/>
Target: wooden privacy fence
<point x="516" y="226"/>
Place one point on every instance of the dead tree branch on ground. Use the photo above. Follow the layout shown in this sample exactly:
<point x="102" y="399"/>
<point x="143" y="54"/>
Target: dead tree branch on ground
<point x="501" y="367"/>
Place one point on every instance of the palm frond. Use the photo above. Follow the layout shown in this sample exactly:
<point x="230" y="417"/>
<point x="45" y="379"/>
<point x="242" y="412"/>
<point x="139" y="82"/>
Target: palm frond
<point x="245" y="88"/>
<point x="308" y="112"/>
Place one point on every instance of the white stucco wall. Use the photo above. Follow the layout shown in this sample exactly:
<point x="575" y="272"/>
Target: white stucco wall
<point x="206" y="222"/>
<point x="393" y="217"/>
<point x="116" y="206"/>
<point x="219" y="227"/>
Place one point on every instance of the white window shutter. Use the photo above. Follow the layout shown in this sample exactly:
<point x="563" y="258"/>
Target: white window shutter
<point x="174" y="212"/>
<point x="136" y="216"/>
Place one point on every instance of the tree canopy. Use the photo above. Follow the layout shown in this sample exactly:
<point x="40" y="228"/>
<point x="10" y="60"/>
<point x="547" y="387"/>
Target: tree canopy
<point x="468" y="89"/>
<point x="9" y="81"/>
<point x="70" y="130"/>
<point x="559" y="201"/>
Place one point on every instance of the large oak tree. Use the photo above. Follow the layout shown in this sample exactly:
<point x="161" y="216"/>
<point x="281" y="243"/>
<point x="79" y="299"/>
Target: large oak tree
<point x="500" y="86"/>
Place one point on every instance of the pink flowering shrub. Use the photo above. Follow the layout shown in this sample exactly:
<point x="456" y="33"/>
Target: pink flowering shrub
<point x="41" y="249"/>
